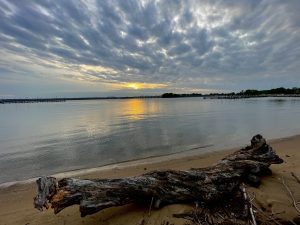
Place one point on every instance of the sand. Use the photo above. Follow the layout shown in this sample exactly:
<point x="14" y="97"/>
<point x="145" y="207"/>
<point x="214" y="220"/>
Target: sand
<point x="17" y="201"/>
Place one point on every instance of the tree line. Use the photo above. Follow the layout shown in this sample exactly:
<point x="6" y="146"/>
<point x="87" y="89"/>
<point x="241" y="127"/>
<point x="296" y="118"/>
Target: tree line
<point x="248" y="92"/>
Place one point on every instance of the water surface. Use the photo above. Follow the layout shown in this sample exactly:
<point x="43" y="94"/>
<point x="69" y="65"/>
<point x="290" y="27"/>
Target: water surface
<point x="45" y="138"/>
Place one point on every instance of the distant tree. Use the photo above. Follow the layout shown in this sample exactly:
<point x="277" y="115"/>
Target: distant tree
<point x="243" y="93"/>
<point x="251" y="92"/>
<point x="170" y="95"/>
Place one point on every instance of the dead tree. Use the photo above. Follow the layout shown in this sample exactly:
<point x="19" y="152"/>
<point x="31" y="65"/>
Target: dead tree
<point x="205" y="186"/>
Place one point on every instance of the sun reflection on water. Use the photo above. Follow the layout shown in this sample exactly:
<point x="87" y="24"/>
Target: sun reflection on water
<point x="136" y="109"/>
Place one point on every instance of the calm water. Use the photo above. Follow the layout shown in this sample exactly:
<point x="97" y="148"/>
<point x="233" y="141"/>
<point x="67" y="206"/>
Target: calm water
<point x="46" y="138"/>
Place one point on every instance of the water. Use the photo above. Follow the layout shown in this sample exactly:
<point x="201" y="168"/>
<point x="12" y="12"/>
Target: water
<point x="46" y="138"/>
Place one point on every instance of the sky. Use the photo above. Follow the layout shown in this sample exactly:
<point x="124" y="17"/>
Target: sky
<point x="64" y="48"/>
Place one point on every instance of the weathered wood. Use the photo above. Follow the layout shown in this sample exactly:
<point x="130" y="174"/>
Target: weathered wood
<point x="202" y="185"/>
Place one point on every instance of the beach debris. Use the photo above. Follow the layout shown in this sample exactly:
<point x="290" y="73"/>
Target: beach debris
<point x="296" y="178"/>
<point x="212" y="187"/>
<point x="233" y="211"/>
<point x="295" y="204"/>
<point x="150" y="207"/>
<point x="249" y="205"/>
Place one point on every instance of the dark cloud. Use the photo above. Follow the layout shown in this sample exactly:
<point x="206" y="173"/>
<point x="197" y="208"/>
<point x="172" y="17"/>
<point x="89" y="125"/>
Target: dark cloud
<point x="206" y="43"/>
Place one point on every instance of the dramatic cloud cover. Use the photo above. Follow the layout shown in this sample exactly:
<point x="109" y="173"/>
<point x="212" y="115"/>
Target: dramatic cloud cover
<point x="131" y="47"/>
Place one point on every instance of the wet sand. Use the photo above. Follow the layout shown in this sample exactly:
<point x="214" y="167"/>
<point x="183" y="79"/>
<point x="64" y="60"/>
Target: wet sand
<point x="17" y="200"/>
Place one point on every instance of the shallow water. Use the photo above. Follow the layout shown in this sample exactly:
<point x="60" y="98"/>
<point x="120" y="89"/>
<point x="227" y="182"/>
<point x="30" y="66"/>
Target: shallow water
<point x="46" y="138"/>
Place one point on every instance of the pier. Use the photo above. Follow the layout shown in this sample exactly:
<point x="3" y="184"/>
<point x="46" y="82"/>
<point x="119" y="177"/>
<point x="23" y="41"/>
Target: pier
<point x="31" y="100"/>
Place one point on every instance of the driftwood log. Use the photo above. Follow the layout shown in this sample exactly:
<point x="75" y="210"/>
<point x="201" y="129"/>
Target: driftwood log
<point x="205" y="186"/>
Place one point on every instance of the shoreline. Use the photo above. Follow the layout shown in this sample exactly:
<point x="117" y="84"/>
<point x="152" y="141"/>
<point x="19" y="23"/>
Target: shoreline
<point x="204" y="96"/>
<point x="122" y="164"/>
<point x="271" y="195"/>
<point x="119" y="165"/>
<point x="142" y="161"/>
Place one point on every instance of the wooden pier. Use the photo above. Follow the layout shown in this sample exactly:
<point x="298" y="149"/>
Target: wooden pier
<point x="31" y="100"/>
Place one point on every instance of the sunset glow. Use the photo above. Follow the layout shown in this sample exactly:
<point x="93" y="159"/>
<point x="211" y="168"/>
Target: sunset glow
<point x="138" y="86"/>
<point x="133" y="86"/>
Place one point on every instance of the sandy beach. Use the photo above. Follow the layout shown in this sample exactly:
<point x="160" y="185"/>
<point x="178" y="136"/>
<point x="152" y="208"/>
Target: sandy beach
<point x="17" y="200"/>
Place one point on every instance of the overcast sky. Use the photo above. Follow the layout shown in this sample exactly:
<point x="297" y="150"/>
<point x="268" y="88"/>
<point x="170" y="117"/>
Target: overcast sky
<point x="130" y="47"/>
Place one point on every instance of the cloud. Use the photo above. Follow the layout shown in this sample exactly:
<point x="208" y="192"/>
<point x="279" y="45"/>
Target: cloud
<point x="207" y="44"/>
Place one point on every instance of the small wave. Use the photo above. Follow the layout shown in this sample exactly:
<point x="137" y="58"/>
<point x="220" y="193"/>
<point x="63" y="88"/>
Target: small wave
<point x="120" y="165"/>
<point x="13" y="183"/>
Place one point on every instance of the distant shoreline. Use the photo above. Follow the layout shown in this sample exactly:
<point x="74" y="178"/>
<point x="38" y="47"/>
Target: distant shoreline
<point x="38" y="100"/>
<point x="250" y="93"/>
<point x="248" y="96"/>
<point x="210" y="96"/>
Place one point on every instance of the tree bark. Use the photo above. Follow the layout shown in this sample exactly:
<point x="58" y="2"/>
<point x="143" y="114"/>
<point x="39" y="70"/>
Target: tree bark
<point x="205" y="186"/>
